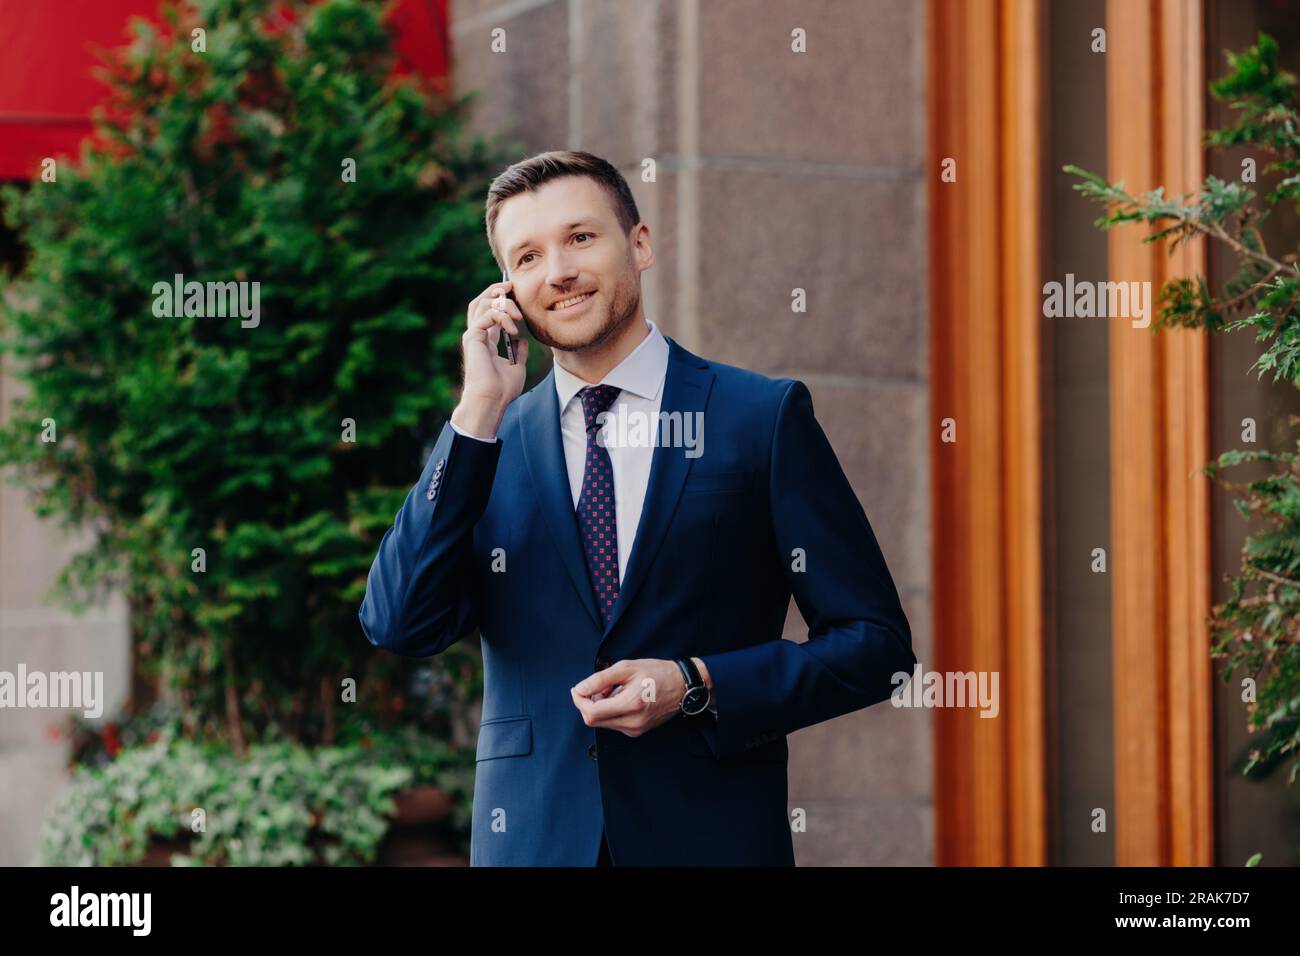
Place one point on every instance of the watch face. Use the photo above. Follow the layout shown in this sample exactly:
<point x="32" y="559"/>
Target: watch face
<point x="696" y="699"/>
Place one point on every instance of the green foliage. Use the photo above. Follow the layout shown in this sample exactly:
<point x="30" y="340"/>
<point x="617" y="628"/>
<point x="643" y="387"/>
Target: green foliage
<point x="1257" y="630"/>
<point x="281" y="805"/>
<point x="1265" y="290"/>
<point x="95" y="742"/>
<point x="186" y="432"/>
<point x="1264" y="95"/>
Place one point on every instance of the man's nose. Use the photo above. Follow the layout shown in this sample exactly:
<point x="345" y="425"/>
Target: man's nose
<point x="562" y="271"/>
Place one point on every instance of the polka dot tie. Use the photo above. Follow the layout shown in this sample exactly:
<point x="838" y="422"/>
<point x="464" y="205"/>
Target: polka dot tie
<point x="596" y="514"/>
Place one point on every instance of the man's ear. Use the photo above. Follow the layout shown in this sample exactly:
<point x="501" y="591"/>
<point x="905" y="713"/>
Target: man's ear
<point x="644" y="256"/>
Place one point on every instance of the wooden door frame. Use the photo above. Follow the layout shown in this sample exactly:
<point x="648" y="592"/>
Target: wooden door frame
<point x="1159" y="428"/>
<point x="987" y="87"/>
<point x="985" y="112"/>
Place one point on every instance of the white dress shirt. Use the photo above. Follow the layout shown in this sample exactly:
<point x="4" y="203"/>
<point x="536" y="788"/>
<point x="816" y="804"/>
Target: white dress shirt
<point x="640" y="379"/>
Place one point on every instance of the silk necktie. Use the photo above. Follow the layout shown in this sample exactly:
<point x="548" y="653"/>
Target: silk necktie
<point x="596" y="513"/>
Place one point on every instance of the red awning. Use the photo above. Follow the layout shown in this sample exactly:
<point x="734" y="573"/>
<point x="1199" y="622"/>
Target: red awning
<point x="47" y="89"/>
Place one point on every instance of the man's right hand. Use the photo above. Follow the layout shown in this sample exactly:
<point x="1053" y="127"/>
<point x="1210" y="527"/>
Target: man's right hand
<point x="491" y="382"/>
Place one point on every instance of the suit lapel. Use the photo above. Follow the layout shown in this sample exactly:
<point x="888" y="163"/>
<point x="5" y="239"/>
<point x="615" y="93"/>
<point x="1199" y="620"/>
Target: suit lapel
<point x="543" y="446"/>
<point x="686" y="390"/>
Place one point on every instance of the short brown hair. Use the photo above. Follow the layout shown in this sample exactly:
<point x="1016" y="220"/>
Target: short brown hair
<point x="528" y="174"/>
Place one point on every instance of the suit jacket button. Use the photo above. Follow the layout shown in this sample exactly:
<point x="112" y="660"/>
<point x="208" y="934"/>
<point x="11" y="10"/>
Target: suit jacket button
<point x="591" y="751"/>
<point x="438" y="466"/>
<point x="602" y="663"/>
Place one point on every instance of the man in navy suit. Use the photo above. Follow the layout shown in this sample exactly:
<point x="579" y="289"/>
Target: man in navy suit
<point x="626" y="537"/>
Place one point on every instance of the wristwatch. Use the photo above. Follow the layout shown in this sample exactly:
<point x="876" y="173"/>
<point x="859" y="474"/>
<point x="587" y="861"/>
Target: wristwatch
<point x="696" y="699"/>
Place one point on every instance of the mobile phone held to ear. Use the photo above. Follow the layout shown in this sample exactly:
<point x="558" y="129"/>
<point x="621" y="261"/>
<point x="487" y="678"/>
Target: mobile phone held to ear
<point x="511" y="341"/>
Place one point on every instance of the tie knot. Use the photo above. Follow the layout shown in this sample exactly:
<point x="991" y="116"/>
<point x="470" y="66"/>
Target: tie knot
<point x="596" y="399"/>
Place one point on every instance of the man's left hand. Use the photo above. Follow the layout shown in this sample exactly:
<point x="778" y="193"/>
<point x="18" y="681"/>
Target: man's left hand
<point x="633" y="696"/>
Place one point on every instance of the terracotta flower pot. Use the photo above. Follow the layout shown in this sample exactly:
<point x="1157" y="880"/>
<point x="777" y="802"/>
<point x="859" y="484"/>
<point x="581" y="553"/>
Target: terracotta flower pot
<point x="159" y="852"/>
<point x="415" y="839"/>
<point x="425" y="803"/>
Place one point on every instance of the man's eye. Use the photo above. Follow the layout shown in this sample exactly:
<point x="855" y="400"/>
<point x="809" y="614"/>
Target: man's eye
<point x="581" y="234"/>
<point x="524" y="259"/>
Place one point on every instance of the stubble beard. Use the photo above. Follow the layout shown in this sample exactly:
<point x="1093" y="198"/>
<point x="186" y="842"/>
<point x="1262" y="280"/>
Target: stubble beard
<point x="619" y="314"/>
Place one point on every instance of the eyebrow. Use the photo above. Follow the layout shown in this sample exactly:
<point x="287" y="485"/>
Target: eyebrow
<point x="510" y="253"/>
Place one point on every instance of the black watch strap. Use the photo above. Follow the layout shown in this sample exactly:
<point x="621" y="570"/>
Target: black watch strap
<point x="693" y="681"/>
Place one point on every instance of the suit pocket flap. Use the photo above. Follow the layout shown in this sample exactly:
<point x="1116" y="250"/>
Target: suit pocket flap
<point x="505" y="737"/>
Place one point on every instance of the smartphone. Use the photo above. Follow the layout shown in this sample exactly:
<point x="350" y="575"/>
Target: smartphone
<point x="511" y="341"/>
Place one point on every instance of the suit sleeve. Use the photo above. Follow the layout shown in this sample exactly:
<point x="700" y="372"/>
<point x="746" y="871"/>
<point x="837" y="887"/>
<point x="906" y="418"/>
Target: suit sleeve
<point x="858" y="635"/>
<point x="420" y="590"/>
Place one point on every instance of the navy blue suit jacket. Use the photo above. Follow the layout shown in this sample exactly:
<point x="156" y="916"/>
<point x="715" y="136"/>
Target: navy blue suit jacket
<point x="488" y="539"/>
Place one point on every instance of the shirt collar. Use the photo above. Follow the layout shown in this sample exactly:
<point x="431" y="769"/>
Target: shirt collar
<point x="641" y="373"/>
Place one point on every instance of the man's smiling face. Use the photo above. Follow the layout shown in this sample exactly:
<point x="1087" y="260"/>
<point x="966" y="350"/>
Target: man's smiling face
<point x="574" y="274"/>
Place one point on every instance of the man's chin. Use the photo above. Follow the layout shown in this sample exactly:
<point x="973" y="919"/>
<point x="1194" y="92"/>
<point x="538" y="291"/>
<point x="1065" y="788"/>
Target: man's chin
<point x="573" y="336"/>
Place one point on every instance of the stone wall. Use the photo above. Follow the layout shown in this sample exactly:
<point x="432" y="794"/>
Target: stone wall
<point x="776" y="170"/>
<point x="33" y="749"/>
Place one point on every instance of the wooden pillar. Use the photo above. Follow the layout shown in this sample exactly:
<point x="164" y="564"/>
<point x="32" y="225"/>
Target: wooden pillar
<point x="986" y="90"/>
<point x="1159" y="424"/>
